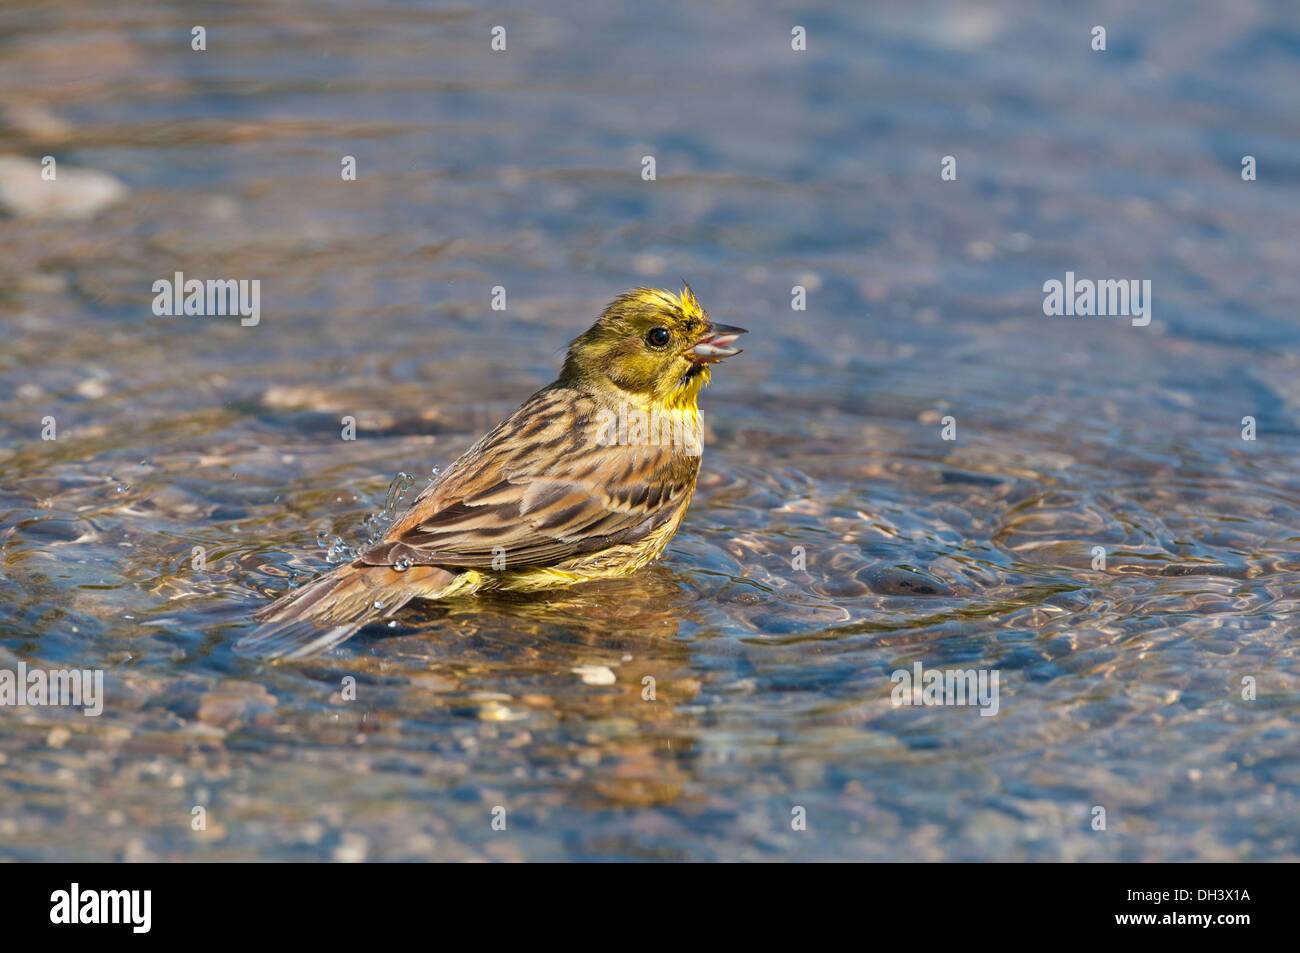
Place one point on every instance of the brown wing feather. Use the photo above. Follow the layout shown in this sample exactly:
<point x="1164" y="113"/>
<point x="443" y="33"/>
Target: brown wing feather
<point x="541" y="489"/>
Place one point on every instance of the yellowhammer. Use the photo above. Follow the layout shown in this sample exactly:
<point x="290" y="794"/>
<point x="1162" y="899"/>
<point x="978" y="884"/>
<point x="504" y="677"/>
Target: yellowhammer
<point x="589" y="478"/>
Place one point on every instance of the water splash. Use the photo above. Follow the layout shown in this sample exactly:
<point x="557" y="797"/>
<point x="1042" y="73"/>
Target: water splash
<point x="376" y="524"/>
<point x="339" y="551"/>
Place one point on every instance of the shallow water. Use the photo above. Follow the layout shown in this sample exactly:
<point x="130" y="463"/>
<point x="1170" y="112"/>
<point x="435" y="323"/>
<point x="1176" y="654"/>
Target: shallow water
<point x="1119" y="687"/>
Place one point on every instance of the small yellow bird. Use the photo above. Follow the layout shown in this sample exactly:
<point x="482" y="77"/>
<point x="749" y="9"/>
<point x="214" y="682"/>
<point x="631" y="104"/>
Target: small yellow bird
<point x="589" y="478"/>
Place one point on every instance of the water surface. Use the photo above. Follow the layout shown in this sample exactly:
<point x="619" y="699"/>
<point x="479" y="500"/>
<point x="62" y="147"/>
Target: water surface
<point x="1119" y="687"/>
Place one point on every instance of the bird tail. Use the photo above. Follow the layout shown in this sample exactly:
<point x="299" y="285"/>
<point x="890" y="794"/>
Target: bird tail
<point x="331" y="609"/>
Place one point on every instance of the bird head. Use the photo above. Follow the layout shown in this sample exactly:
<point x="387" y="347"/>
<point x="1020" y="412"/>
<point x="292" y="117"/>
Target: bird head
<point x="651" y="344"/>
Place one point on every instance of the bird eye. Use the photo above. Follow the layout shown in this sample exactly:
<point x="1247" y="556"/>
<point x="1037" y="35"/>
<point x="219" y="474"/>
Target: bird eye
<point x="658" y="337"/>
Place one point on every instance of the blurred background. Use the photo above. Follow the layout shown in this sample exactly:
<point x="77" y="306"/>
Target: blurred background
<point x="1120" y="688"/>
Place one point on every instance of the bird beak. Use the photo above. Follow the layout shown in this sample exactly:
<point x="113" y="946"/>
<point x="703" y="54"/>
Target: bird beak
<point x="715" y="345"/>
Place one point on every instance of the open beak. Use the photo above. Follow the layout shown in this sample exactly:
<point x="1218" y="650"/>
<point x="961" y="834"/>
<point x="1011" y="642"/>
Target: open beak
<point x="715" y="345"/>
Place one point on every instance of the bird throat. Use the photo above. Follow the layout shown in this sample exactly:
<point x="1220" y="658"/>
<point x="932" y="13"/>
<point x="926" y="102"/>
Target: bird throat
<point x="687" y="391"/>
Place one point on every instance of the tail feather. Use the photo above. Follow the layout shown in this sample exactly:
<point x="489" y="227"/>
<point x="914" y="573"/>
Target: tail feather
<point x="331" y="609"/>
<point x="295" y="639"/>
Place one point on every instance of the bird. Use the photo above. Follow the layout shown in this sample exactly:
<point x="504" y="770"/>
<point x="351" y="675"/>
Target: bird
<point x="590" y="478"/>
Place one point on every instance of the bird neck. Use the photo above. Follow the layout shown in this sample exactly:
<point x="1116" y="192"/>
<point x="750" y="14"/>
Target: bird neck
<point x="682" y="398"/>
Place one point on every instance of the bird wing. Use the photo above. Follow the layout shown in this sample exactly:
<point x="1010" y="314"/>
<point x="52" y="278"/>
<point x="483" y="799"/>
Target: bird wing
<point x="541" y="489"/>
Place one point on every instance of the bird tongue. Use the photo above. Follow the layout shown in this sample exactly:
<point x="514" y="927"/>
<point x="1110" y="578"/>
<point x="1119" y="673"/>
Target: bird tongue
<point x="717" y="345"/>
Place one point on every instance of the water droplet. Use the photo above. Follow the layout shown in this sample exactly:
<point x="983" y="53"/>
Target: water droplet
<point x="378" y="604"/>
<point x="402" y="564"/>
